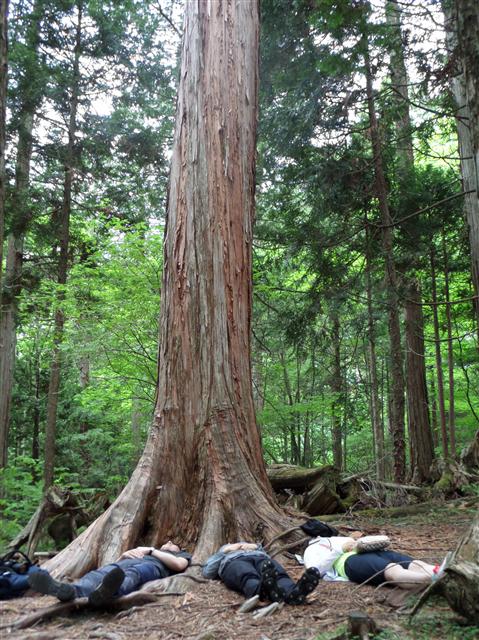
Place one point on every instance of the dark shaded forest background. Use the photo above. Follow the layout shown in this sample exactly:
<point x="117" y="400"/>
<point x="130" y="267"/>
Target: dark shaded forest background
<point x="365" y="334"/>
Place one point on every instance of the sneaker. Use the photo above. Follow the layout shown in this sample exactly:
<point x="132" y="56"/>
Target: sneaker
<point x="270" y="589"/>
<point x="44" y="583"/>
<point x="249" y="605"/>
<point x="439" y="569"/>
<point x="106" y="590"/>
<point x="306" y="584"/>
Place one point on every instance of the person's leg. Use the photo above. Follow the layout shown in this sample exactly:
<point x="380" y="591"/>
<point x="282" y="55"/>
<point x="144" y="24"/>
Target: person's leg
<point x="90" y="581"/>
<point x="370" y="567"/>
<point x="282" y="578"/>
<point x="241" y="574"/>
<point x="136" y="576"/>
<point x="424" y="567"/>
<point x="406" y="578"/>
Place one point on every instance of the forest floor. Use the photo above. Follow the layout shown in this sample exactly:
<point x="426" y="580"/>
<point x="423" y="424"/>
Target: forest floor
<point x="210" y="611"/>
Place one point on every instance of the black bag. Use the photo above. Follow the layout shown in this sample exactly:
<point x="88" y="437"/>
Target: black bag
<point x="15" y="567"/>
<point x="316" y="528"/>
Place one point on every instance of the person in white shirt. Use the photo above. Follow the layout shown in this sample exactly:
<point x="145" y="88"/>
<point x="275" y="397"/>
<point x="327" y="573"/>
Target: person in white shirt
<point x="336" y="559"/>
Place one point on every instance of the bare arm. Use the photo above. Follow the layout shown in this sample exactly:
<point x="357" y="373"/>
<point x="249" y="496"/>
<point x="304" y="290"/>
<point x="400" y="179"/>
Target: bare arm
<point x="169" y="560"/>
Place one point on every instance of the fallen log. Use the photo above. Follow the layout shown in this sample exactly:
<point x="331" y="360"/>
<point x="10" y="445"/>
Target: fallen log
<point x="300" y="479"/>
<point x="323" y="498"/>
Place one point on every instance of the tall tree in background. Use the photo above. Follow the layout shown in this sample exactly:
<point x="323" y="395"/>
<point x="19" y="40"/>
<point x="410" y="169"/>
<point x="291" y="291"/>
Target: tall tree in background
<point x="465" y="87"/>
<point x="396" y="359"/>
<point x="63" y="242"/>
<point x="417" y="401"/>
<point x="3" y="116"/>
<point x="201" y="477"/>
<point x="30" y="91"/>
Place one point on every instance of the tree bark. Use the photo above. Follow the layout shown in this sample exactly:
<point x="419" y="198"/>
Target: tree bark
<point x="437" y="346"/>
<point x="450" y="354"/>
<point x="201" y="477"/>
<point x="337" y="389"/>
<point x="397" y="373"/>
<point x="64" y="239"/>
<point x="3" y="123"/>
<point x="465" y="88"/>
<point x="460" y="585"/>
<point x="422" y="449"/>
<point x="30" y="91"/>
<point x="377" y="421"/>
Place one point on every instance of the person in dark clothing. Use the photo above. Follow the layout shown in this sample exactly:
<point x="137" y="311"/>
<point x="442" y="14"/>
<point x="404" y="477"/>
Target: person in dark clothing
<point x="133" y="569"/>
<point x="246" y="568"/>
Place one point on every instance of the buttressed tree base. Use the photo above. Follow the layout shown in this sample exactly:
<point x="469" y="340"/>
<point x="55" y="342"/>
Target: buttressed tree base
<point x="201" y="479"/>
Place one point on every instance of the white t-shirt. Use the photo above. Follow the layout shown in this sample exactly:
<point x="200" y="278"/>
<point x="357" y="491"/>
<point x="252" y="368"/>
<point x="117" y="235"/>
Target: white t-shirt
<point x="322" y="553"/>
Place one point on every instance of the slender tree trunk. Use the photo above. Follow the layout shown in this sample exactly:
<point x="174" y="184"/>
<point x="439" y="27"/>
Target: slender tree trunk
<point x="337" y="389"/>
<point x="422" y="449"/>
<point x="462" y="20"/>
<point x="30" y="91"/>
<point x="433" y="403"/>
<point x="378" y="426"/>
<point x="450" y="354"/>
<point x="400" y="87"/>
<point x="437" y="343"/>
<point x="202" y="477"/>
<point x="3" y="123"/>
<point x="64" y="238"/>
<point x="397" y="373"/>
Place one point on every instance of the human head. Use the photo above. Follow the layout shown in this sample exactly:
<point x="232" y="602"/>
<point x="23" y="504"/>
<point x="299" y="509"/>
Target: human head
<point x="170" y="546"/>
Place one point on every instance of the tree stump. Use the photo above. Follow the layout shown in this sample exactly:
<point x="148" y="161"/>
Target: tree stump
<point x="460" y="584"/>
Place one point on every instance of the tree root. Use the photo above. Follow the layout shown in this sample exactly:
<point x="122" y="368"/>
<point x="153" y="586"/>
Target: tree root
<point x="135" y="599"/>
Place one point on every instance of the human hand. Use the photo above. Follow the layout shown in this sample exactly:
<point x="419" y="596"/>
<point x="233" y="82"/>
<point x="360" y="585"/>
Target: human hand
<point x="349" y="545"/>
<point x="138" y="552"/>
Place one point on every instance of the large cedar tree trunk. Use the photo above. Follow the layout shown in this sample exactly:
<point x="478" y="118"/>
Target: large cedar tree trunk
<point x="422" y="450"/>
<point x="201" y="479"/>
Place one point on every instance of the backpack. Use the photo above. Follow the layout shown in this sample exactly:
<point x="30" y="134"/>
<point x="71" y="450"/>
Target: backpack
<point x="318" y="529"/>
<point x="15" y="567"/>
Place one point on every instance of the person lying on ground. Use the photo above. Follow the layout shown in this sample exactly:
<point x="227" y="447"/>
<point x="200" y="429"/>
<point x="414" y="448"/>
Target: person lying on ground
<point x="133" y="569"/>
<point x="246" y="568"/>
<point x="337" y="558"/>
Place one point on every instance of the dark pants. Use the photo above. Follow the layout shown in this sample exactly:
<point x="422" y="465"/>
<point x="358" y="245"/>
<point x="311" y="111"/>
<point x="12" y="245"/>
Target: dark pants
<point x="244" y="575"/>
<point x="362" y="567"/>
<point x="137" y="572"/>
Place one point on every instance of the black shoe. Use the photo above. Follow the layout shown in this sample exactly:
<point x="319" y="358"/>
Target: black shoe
<point x="270" y="589"/>
<point x="106" y="590"/>
<point x="44" y="583"/>
<point x="306" y="584"/>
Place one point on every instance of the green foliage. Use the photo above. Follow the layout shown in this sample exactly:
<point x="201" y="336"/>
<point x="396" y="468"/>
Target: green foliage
<point x="20" y="495"/>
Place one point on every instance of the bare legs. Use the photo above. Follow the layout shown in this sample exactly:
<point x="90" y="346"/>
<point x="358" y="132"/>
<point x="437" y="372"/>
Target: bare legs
<point x="417" y="573"/>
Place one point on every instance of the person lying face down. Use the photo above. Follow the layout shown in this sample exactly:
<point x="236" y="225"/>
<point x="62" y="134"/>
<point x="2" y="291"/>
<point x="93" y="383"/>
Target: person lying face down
<point x="246" y="568"/>
<point x="134" y="568"/>
<point x="336" y="559"/>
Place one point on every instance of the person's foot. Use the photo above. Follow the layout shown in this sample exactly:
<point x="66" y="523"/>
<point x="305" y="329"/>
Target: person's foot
<point x="106" y="590"/>
<point x="439" y="569"/>
<point x="43" y="583"/>
<point x="249" y="605"/>
<point x="270" y="589"/>
<point x="306" y="584"/>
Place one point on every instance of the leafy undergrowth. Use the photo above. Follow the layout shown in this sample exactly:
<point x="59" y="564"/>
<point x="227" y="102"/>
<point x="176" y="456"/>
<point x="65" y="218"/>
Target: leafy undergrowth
<point x="209" y="612"/>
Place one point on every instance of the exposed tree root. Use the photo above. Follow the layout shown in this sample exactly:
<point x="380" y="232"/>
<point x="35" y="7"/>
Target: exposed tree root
<point x="136" y="599"/>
